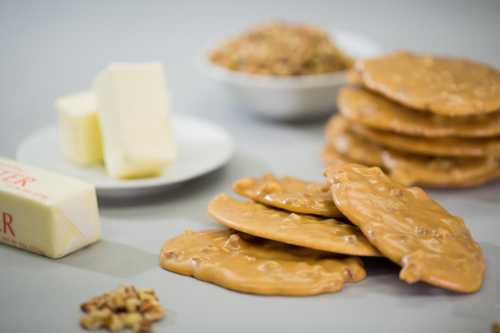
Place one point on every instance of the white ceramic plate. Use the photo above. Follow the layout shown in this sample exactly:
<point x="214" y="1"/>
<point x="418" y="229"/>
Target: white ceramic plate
<point x="202" y="147"/>
<point x="289" y="98"/>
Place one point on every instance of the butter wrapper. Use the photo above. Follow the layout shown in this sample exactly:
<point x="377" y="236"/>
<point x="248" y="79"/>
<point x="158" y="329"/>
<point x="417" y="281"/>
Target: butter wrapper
<point x="46" y="213"/>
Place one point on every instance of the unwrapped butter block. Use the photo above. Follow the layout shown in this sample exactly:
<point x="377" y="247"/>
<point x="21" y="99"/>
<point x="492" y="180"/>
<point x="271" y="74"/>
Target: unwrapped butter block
<point x="46" y="213"/>
<point x="79" y="134"/>
<point x="133" y="109"/>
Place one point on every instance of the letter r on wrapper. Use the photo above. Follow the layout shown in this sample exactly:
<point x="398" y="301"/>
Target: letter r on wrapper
<point x="7" y="224"/>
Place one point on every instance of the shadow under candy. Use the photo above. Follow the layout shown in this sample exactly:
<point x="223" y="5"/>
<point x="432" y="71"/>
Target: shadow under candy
<point x="383" y="278"/>
<point x="485" y="304"/>
<point x="112" y="258"/>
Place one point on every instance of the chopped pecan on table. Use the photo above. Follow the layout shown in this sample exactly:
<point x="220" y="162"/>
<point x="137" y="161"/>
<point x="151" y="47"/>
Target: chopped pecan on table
<point x="125" y="307"/>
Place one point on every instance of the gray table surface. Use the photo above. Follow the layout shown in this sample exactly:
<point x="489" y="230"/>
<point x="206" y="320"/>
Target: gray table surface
<point x="49" y="48"/>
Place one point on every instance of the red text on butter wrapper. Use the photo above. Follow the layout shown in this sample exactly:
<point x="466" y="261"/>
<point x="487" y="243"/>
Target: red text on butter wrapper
<point x="15" y="178"/>
<point x="7" y="221"/>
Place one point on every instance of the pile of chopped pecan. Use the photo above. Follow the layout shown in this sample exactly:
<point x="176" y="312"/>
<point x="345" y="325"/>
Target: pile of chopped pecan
<point x="125" y="307"/>
<point x="282" y="49"/>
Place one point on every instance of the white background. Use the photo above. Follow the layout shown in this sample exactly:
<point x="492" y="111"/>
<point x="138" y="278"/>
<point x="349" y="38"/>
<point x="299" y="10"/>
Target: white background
<point x="50" y="48"/>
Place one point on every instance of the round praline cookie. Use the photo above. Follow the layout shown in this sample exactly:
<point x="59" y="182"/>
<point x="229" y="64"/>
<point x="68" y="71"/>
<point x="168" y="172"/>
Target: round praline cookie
<point x="442" y="85"/>
<point x="409" y="228"/>
<point x="406" y="168"/>
<point x="373" y="110"/>
<point x="288" y="193"/>
<point x="448" y="146"/>
<point x="322" y="234"/>
<point x="258" y="266"/>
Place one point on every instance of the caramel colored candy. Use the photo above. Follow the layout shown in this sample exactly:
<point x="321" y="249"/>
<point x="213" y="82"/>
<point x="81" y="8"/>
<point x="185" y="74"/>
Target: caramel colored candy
<point x="252" y="265"/>
<point x="330" y="156"/>
<point x="440" y="171"/>
<point x="341" y="141"/>
<point x="289" y="193"/>
<point x="354" y="77"/>
<point x="409" y="228"/>
<point x="367" y="108"/>
<point x="302" y="230"/>
<point x="407" y="168"/>
<point x="441" y="85"/>
<point x="452" y="146"/>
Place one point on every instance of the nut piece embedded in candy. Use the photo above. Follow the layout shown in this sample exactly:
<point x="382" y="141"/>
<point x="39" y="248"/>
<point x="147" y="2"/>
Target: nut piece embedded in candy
<point x="125" y="307"/>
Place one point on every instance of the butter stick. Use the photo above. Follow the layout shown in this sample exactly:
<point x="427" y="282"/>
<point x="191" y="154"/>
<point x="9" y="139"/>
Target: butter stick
<point x="133" y="108"/>
<point x="79" y="133"/>
<point x="44" y="212"/>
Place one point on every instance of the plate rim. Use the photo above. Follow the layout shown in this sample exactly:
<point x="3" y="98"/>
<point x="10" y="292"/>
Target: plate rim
<point x="144" y="183"/>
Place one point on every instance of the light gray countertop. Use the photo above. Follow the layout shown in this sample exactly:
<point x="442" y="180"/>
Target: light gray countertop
<point x="52" y="48"/>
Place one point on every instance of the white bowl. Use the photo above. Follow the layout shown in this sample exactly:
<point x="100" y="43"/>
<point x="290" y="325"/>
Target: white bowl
<point x="289" y="98"/>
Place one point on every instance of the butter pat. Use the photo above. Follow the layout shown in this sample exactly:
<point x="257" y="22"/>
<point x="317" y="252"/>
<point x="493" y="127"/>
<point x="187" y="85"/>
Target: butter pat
<point x="46" y="213"/>
<point x="79" y="134"/>
<point x="133" y="109"/>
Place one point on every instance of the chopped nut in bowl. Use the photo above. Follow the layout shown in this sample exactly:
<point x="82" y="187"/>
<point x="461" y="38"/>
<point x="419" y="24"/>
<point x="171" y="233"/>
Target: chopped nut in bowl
<point x="285" y="71"/>
<point x="282" y="49"/>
